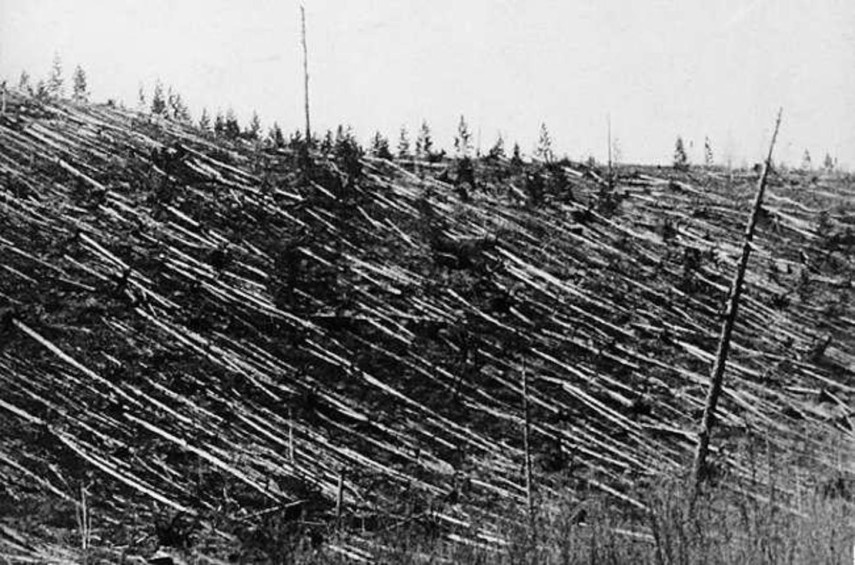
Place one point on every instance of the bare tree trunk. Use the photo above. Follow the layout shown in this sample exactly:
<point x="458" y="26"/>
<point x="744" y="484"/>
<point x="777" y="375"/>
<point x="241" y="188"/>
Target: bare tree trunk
<point x="339" y="503"/>
<point x="526" y="431"/>
<point x="609" y="126"/>
<point x="717" y="374"/>
<point x="290" y="437"/>
<point x="611" y="175"/>
<point x="306" y="75"/>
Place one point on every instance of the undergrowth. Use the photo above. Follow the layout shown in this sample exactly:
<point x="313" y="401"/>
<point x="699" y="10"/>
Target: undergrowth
<point x="726" y="526"/>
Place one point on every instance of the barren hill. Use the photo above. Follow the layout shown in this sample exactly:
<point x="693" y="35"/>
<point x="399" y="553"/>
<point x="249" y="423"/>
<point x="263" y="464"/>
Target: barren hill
<point x="198" y="335"/>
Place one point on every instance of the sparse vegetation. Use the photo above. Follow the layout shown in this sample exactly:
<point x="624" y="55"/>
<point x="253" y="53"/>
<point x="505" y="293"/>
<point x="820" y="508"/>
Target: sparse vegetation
<point x="727" y="526"/>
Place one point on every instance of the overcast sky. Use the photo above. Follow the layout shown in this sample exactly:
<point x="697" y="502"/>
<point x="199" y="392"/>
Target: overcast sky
<point x="719" y="68"/>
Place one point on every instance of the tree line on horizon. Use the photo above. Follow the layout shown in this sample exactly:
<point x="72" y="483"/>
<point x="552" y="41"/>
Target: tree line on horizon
<point x="53" y="86"/>
<point x="168" y="103"/>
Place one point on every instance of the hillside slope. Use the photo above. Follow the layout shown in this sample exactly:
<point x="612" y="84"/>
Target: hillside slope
<point x="199" y="333"/>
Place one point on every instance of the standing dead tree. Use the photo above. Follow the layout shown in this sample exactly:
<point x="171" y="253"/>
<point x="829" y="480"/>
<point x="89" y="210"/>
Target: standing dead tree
<point x="305" y="74"/>
<point x="717" y="374"/>
<point x="609" y="141"/>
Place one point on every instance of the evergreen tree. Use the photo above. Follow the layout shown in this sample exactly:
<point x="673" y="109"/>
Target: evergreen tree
<point x="327" y="143"/>
<point x="462" y="141"/>
<point x="219" y="125"/>
<point x="424" y="142"/>
<point x="42" y="92"/>
<point x="179" y="109"/>
<point x="175" y="107"/>
<point x="681" y="160"/>
<point x="544" y="145"/>
<point x="380" y="147"/>
<point x="403" y="144"/>
<point x="349" y="154"/>
<point x="141" y="98"/>
<point x="828" y="163"/>
<point x="79" y="86"/>
<point x="344" y="136"/>
<point x="231" y="128"/>
<point x="55" y="80"/>
<point x="295" y="142"/>
<point x="182" y="110"/>
<point x="807" y="164"/>
<point x="497" y="152"/>
<point x="24" y="82"/>
<point x="169" y="111"/>
<point x="340" y="136"/>
<point x="516" y="156"/>
<point x="275" y="137"/>
<point x="158" y="103"/>
<point x="205" y="121"/>
<point x="708" y="154"/>
<point x="252" y="132"/>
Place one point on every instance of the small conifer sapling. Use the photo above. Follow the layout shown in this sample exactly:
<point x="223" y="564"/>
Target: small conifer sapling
<point x="205" y="121"/>
<point x="253" y="131"/>
<point x="55" y="80"/>
<point x="158" y="102"/>
<point x="403" y="144"/>
<point x="544" y="145"/>
<point x="681" y="160"/>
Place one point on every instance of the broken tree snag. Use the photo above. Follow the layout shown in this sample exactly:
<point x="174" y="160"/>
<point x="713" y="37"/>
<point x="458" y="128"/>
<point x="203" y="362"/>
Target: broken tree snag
<point x="339" y="502"/>
<point x="717" y="373"/>
<point x="305" y="74"/>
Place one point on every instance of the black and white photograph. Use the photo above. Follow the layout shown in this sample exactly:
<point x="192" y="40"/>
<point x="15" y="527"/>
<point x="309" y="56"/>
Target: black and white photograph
<point x="477" y="282"/>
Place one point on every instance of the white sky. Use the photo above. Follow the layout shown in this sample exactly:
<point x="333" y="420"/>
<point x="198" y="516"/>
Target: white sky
<point x="661" y="68"/>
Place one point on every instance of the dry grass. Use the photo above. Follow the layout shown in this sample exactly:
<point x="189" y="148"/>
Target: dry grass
<point x="725" y="527"/>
